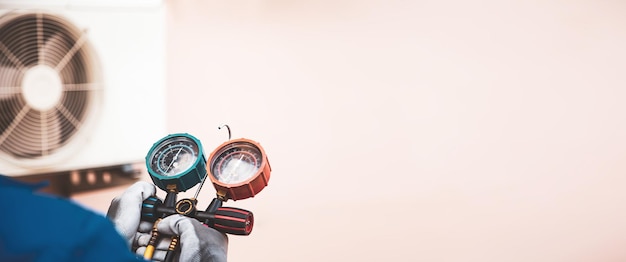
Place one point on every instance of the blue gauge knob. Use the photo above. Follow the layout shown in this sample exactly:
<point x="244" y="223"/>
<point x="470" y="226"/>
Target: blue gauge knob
<point x="176" y="162"/>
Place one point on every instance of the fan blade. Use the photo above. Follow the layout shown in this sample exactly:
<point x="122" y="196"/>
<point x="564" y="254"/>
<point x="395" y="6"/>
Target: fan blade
<point x="13" y="60"/>
<point x="51" y="136"/>
<point x="10" y="92"/>
<point x="38" y="135"/>
<point x="9" y="127"/>
<point x="9" y="86"/>
<point x="53" y="50"/>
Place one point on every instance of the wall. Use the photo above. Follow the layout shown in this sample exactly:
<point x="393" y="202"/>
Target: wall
<point x="414" y="130"/>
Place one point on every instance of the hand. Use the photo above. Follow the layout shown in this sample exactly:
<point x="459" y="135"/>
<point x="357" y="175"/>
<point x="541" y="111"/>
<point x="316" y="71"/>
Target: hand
<point x="125" y="210"/>
<point x="197" y="241"/>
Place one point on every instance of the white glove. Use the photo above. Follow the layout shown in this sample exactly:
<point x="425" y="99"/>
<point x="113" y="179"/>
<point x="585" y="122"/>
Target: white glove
<point x="197" y="241"/>
<point x="125" y="210"/>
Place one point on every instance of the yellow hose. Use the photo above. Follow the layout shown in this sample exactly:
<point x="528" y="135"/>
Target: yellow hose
<point x="149" y="252"/>
<point x="155" y="235"/>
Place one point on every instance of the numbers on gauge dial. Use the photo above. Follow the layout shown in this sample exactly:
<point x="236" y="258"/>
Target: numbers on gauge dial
<point x="236" y="163"/>
<point x="174" y="158"/>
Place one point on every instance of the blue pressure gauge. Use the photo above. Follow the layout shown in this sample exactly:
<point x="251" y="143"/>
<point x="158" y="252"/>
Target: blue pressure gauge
<point x="176" y="162"/>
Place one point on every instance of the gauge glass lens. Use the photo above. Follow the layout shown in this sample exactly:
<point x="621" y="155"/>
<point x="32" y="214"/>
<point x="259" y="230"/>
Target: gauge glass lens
<point x="174" y="156"/>
<point x="236" y="163"/>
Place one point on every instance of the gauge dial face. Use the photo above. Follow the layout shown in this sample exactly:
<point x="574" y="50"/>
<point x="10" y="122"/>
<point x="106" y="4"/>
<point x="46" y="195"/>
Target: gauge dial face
<point x="174" y="156"/>
<point x="236" y="163"/>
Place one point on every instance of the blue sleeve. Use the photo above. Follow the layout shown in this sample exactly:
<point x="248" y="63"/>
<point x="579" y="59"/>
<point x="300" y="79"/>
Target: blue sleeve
<point x="102" y="243"/>
<point x="44" y="228"/>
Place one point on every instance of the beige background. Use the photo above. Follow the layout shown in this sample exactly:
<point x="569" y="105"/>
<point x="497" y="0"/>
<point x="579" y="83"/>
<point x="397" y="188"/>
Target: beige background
<point x="412" y="130"/>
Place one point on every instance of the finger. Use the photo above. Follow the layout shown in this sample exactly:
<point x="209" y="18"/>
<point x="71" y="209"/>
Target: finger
<point x="142" y="239"/>
<point x="145" y="227"/>
<point x="175" y="225"/>
<point x="190" y="229"/>
<point x="140" y="251"/>
<point x="163" y="242"/>
<point x="157" y="255"/>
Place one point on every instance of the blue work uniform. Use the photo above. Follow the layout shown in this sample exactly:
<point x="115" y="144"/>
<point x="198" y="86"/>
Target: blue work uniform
<point x="40" y="227"/>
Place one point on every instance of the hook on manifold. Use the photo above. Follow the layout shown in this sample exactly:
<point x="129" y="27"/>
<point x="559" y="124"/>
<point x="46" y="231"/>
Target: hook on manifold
<point x="227" y="127"/>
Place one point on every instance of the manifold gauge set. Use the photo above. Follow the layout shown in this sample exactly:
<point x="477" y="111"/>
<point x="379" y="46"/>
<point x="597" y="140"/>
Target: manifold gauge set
<point x="238" y="169"/>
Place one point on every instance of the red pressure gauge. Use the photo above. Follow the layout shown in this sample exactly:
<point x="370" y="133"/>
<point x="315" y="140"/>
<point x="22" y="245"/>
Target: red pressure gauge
<point x="239" y="169"/>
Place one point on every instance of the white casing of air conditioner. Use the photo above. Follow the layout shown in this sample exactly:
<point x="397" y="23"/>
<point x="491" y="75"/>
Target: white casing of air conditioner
<point x="129" y="41"/>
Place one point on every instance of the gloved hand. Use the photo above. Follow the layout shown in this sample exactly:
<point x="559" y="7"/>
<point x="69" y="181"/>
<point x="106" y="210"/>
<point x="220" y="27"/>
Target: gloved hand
<point x="125" y="211"/>
<point x="197" y="241"/>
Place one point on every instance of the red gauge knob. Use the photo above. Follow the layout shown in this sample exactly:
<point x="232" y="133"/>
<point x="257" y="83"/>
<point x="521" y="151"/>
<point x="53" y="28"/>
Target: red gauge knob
<point x="234" y="221"/>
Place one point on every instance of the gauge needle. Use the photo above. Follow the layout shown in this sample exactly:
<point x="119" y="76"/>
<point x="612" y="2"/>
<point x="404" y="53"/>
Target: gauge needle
<point x="173" y="159"/>
<point x="236" y="166"/>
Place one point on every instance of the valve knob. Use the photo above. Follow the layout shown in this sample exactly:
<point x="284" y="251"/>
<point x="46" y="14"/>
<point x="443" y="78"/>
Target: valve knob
<point x="234" y="221"/>
<point x="149" y="209"/>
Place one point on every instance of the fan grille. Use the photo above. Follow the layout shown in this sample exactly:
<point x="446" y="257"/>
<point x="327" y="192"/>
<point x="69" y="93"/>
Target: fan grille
<point x="48" y="79"/>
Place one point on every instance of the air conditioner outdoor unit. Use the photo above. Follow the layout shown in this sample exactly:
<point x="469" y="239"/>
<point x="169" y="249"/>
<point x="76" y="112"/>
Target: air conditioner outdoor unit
<point x="82" y="84"/>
